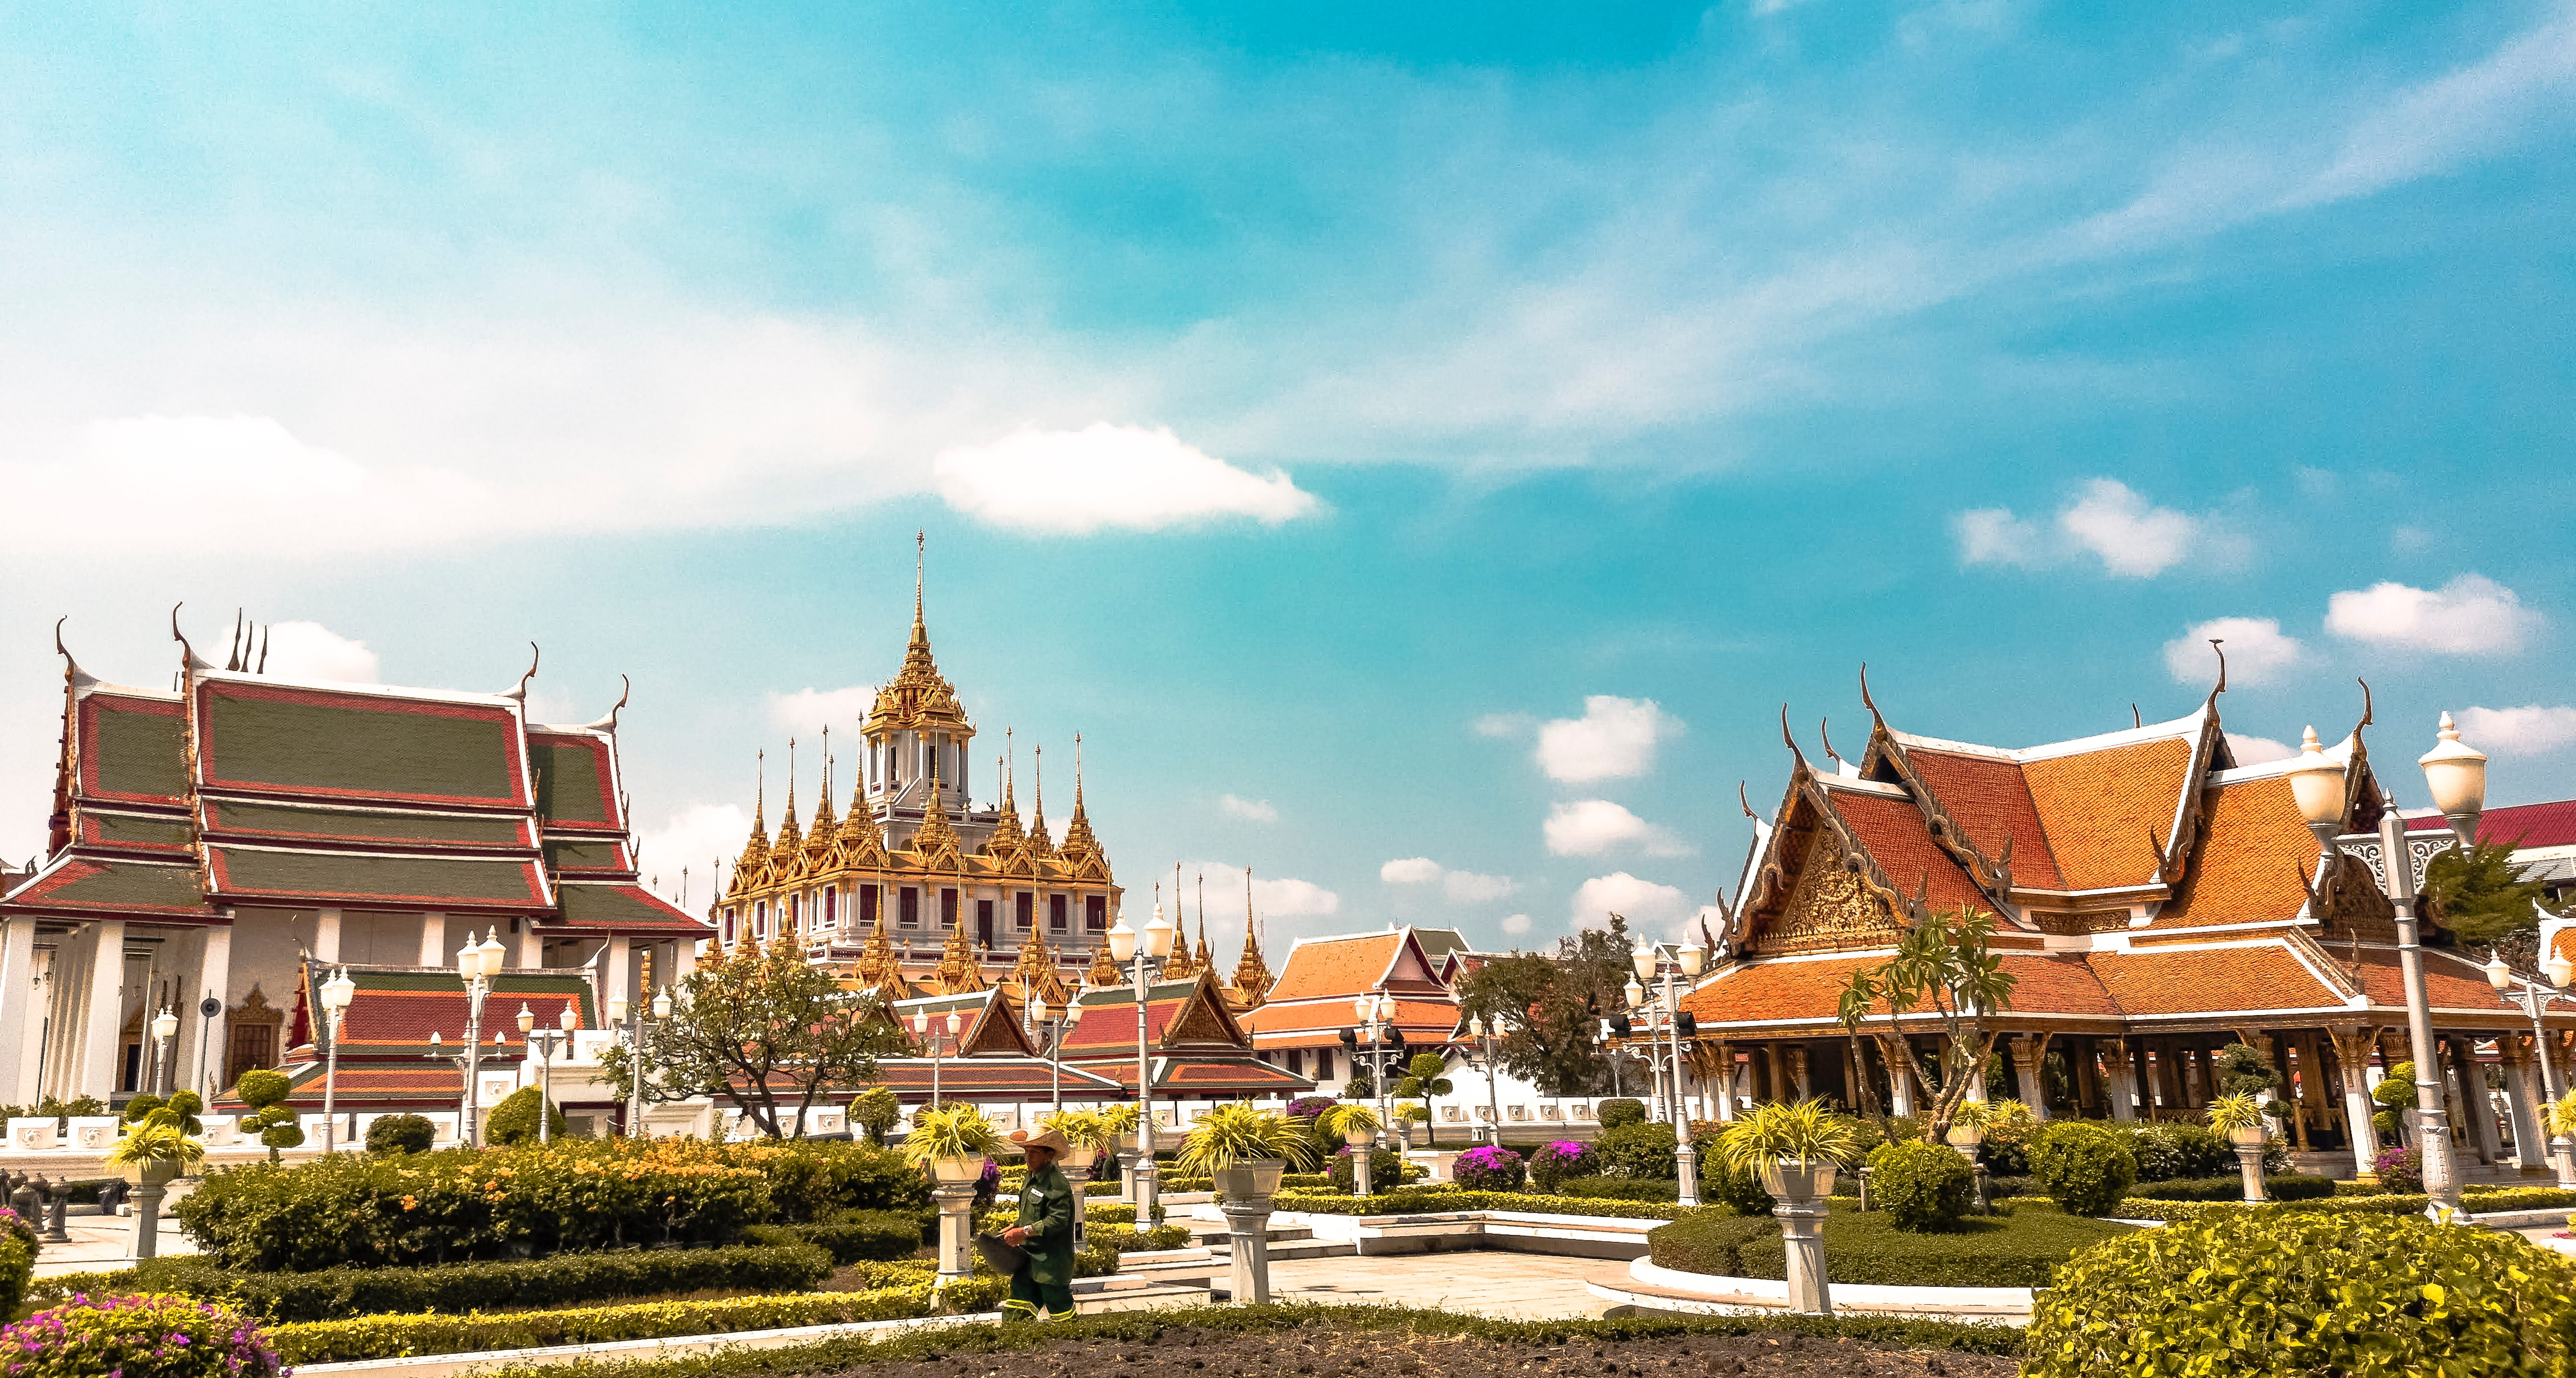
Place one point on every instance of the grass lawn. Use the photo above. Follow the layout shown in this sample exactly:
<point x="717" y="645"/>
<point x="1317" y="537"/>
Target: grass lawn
<point x="2019" y="1248"/>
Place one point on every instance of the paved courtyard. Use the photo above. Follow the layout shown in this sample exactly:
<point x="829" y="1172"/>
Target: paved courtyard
<point x="1485" y="1282"/>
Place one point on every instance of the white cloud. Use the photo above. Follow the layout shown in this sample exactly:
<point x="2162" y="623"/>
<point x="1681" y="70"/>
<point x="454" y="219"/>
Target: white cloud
<point x="1457" y="887"/>
<point x="1590" y="827"/>
<point x="2132" y="537"/>
<point x="809" y="708"/>
<point x="2254" y="751"/>
<point x="1504" y="724"/>
<point x="1516" y="924"/>
<point x="1412" y="870"/>
<point x="309" y="650"/>
<point x="2454" y="118"/>
<point x="695" y="837"/>
<point x="2257" y="652"/>
<point x="2471" y="615"/>
<point x="1646" y="905"/>
<point x="1127" y="477"/>
<point x="1251" y="810"/>
<point x="2532" y="730"/>
<point x="1614" y="739"/>
<point x="1283" y="897"/>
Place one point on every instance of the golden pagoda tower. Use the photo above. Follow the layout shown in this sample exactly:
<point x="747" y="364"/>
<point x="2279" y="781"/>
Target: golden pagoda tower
<point x="1252" y="978"/>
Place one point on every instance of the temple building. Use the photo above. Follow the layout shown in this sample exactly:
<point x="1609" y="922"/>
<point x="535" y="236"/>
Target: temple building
<point x="2155" y="899"/>
<point x="913" y="889"/>
<point x="1301" y="1026"/>
<point x="213" y="844"/>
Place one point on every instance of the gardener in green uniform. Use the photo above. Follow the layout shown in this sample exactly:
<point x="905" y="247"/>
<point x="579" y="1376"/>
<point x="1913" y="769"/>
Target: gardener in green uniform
<point x="1044" y="1282"/>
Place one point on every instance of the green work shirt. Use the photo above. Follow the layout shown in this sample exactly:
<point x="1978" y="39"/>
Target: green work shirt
<point x="1046" y="1209"/>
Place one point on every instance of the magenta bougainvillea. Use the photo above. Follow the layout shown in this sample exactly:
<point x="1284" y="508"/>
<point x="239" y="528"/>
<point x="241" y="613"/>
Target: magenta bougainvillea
<point x="146" y="1336"/>
<point x="1489" y="1168"/>
<point x="1554" y="1162"/>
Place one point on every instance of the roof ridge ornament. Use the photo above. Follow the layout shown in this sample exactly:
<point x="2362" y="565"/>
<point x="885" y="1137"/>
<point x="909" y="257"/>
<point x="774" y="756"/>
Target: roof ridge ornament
<point x="2219" y="645"/>
<point x="73" y="674"/>
<point x="626" y="690"/>
<point x="519" y="691"/>
<point x="188" y="657"/>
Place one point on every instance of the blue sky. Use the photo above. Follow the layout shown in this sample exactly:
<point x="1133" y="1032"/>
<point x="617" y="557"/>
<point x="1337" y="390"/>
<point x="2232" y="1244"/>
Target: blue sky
<point x="1449" y="435"/>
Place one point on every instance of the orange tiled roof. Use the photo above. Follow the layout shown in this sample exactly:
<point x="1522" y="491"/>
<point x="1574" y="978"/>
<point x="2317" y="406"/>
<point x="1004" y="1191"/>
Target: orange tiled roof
<point x="2191" y="980"/>
<point x="1892" y="831"/>
<point x="2099" y="807"/>
<point x="2249" y="868"/>
<point x="1306" y="1023"/>
<point x="1337" y="966"/>
<point x="1991" y="799"/>
<point x="2451" y="982"/>
<point x="1810" y="989"/>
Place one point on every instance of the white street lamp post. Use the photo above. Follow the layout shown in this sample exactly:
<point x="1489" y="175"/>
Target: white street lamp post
<point x="478" y="963"/>
<point x="164" y="1025"/>
<point x="921" y="1028"/>
<point x="2558" y="971"/>
<point x="544" y="1041"/>
<point x="2456" y="775"/>
<point x="1145" y="955"/>
<point x="1047" y="1022"/>
<point x="336" y="995"/>
<point x="632" y="1025"/>
<point x="1485" y="1036"/>
<point x="1649" y="961"/>
<point x="1376" y="1012"/>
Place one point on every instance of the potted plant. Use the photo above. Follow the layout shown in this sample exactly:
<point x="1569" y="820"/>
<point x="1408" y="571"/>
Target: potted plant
<point x="1968" y="1121"/>
<point x="1121" y="1122"/>
<point x="953" y="1141"/>
<point x="1245" y="1150"/>
<point x="1408" y="1117"/>
<point x="2239" y="1117"/>
<point x="155" y="1151"/>
<point x="1795" y="1149"/>
<point x="1087" y="1131"/>
<point x="1353" y="1122"/>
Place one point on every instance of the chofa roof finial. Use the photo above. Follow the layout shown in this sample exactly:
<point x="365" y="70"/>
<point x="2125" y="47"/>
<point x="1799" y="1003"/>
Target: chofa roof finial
<point x="188" y="656"/>
<point x="520" y="692"/>
<point x="625" y="690"/>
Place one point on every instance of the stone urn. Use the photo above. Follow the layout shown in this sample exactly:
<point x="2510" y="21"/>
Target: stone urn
<point x="957" y="1172"/>
<point x="1250" y="1179"/>
<point x="2248" y="1143"/>
<point x="159" y="1173"/>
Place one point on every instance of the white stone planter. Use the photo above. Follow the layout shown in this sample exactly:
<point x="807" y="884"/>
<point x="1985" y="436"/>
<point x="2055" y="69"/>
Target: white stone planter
<point x="951" y="1172"/>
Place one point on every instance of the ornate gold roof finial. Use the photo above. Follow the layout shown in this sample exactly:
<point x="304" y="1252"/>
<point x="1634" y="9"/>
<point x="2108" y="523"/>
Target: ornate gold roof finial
<point x="1184" y="963"/>
<point x="917" y="698"/>
<point x="1041" y="842"/>
<point x="1007" y="840"/>
<point x="823" y="820"/>
<point x="789" y="837"/>
<point x="1104" y="971"/>
<point x="1207" y="952"/>
<point x="958" y="973"/>
<point x="1251" y="975"/>
<point x="755" y="849"/>
<point x="935" y="841"/>
<point x="1080" y="846"/>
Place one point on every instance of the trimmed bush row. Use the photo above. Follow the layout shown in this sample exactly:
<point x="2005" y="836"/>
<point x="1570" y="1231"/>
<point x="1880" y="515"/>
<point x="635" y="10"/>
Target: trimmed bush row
<point x="394" y="1337"/>
<point x="851" y="1236"/>
<point x="1426" y="1199"/>
<point x="2287" y="1187"/>
<point x="566" y="1278"/>
<point x="2507" y="1199"/>
<point x="2019" y="1249"/>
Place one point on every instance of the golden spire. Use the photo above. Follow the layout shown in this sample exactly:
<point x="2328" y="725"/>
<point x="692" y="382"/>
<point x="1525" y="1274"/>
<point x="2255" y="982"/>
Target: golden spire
<point x="957" y="972"/>
<point x="1036" y="971"/>
<point x="1007" y="838"/>
<point x="1207" y="950"/>
<point x="1041" y="842"/>
<point x="1104" y="970"/>
<point x="1251" y="975"/>
<point x="859" y="842"/>
<point x="878" y="967"/>
<point x="823" y="820"/>
<point x="789" y="838"/>
<point x="755" y="849"/>
<point x="917" y="698"/>
<point x="1079" y="843"/>
<point x="1183" y="964"/>
<point x="935" y="840"/>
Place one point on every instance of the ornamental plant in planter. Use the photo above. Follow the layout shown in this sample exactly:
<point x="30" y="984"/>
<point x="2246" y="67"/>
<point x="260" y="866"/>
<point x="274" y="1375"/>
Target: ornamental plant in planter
<point x="1353" y="1122"/>
<point x="1793" y="1149"/>
<point x="952" y="1141"/>
<point x="153" y="1152"/>
<point x="1491" y="1168"/>
<point x="1087" y="1131"/>
<point x="1245" y="1150"/>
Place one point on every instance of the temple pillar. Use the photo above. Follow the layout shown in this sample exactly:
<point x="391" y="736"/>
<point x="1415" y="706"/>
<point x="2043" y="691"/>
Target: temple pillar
<point x="2530" y="1146"/>
<point x="1725" y="1083"/>
<point x="2352" y="1067"/>
<point x="2115" y="1060"/>
<point x="2315" y="1108"/>
<point x="2475" y="1108"/>
<point x="684" y="959"/>
<point x="1798" y="1071"/>
<point x="18" y="1039"/>
<point x="1775" y="1086"/>
<point x="326" y="936"/>
<point x="2029" y="1058"/>
<point x="102" y="1011"/>
<point x="2194" y="1070"/>
<point x="433" y="939"/>
<point x="1900" y="1074"/>
<point x="528" y="947"/>
<point x="620" y="975"/>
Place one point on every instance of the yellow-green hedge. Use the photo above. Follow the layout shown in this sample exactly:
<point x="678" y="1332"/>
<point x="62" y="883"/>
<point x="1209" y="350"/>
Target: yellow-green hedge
<point x="398" y="1336"/>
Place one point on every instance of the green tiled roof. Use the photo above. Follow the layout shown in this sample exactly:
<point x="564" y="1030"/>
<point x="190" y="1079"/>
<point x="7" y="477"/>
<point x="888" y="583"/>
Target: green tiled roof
<point x="619" y="906"/>
<point x="345" y="745"/>
<point x="359" y="877"/>
<point x="135" y="753"/>
<point x="129" y="830"/>
<point x="366" y="825"/>
<point x="116" y="885"/>
<point x="580" y="856"/>
<point x="568" y="779"/>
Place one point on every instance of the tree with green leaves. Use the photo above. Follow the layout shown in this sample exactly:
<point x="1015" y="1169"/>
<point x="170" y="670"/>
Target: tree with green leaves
<point x="1422" y="1081"/>
<point x="765" y="1030"/>
<point x="1549" y="1007"/>
<point x="1858" y="997"/>
<point x="2481" y="897"/>
<point x="1945" y="965"/>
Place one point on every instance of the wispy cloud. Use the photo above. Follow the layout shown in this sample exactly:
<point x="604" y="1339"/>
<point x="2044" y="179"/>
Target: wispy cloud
<point x="2106" y="519"/>
<point x="2471" y="615"/>
<point x="1135" y="478"/>
<point x="2531" y="730"/>
<point x="1614" y="739"/>
<point x="1249" y="810"/>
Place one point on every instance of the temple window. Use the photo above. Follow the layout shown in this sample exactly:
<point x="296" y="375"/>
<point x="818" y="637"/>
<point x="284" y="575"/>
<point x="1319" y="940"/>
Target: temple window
<point x="1095" y="913"/>
<point x="1024" y="909"/>
<point x="729" y="927"/>
<point x="948" y="909"/>
<point x="831" y="906"/>
<point x="760" y="920"/>
<point x="1055" y="913"/>
<point x="867" y="906"/>
<point x="908" y="907"/>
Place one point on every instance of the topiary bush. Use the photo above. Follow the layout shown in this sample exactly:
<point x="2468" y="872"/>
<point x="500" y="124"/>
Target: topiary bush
<point x="875" y="1112"/>
<point x="1556" y="1162"/>
<point x="1638" y="1150"/>
<point x="1620" y="1110"/>
<point x="401" y="1134"/>
<point x="2168" y="1151"/>
<point x="2287" y="1294"/>
<point x="139" y="1107"/>
<point x="514" y="1120"/>
<point x="2085" y="1168"/>
<point x="1386" y="1169"/>
<point x="1489" y="1168"/>
<point x="2008" y="1135"/>
<point x="264" y="1093"/>
<point x="1921" y="1186"/>
<point x="138" y="1337"/>
<point x="17" y="1259"/>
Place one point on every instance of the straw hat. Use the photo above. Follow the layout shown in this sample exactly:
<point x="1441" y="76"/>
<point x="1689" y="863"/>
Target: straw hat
<point x="1045" y="1138"/>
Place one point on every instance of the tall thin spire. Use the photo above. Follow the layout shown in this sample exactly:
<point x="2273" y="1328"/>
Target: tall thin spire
<point x="1207" y="954"/>
<point x="1251" y="974"/>
<point x="920" y="559"/>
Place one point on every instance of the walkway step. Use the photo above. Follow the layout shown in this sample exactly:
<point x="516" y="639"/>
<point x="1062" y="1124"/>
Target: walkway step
<point x="1140" y="1299"/>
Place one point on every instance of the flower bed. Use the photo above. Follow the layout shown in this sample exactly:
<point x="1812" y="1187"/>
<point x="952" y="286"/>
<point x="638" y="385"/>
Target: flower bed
<point x="397" y="1336"/>
<point x="569" y="1278"/>
<point x="2021" y="1248"/>
<point x="146" y="1336"/>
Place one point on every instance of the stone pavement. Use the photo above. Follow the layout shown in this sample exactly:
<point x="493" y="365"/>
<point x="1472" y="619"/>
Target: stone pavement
<point x="104" y="1242"/>
<point x="1484" y="1282"/>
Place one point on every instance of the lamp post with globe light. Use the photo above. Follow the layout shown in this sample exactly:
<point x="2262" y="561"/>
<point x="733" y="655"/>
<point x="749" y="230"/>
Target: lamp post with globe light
<point x="1686" y="962"/>
<point x="478" y="963"/>
<point x="1142" y="953"/>
<point x="1485" y="1035"/>
<point x="1053" y="1024"/>
<point x="2535" y="997"/>
<point x="633" y="1029"/>
<point x="336" y="995"/>
<point x="545" y="1041"/>
<point x="164" y="1026"/>
<point x="921" y="1029"/>
<point x="2456" y="775"/>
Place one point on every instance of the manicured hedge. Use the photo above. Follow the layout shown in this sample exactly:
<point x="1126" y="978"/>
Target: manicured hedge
<point x="564" y="1279"/>
<point x="2017" y="1249"/>
<point x="394" y="1336"/>
<point x="1710" y="1242"/>
<point x="2291" y="1293"/>
<point x="1421" y="1200"/>
<point x="2287" y="1187"/>
<point x="2085" y="1168"/>
<point x="1624" y="1188"/>
<point x="851" y="1236"/>
<point x="2504" y="1199"/>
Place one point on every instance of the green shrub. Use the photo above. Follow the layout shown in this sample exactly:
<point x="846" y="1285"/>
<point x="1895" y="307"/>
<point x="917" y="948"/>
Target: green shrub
<point x="875" y="1112"/>
<point x="2085" y="1168"/>
<point x="2007" y="1139"/>
<point x="139" y="1337"/>
<point x="1708" y="1242"/>
<point x="462" y="1203"/>
<point x="851" y="1236"/>
<point x="562" y="1280"/>
<point x="2168" y="1151"/>
<point x="1435" y="1199"/>
<point x="139" y="1107"/>
<point x="17" y="1260"/>
<point x="263" y="1093"/>
<point x="1625" y="1188"/>
<point x="393" y="1336"/>
<point x="2020" y="1247"/>
<point x="514" y="1120"/>
<point x="1921" y="1186"/>
<point x="1637" y="1150"/>
<point x="1386" y="1169"/>
<point x="1621" y="1110"/>
<point x="814" y="1179"/>
<point x="2283" y="1188"/>
<point x="2276" y="1293"/>
<point x="1739" y="1189"/>
<point x="401" y="1134"/>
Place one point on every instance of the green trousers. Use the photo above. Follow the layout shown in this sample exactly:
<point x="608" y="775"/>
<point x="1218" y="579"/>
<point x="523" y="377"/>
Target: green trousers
<point x="1031" y="1299"/>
